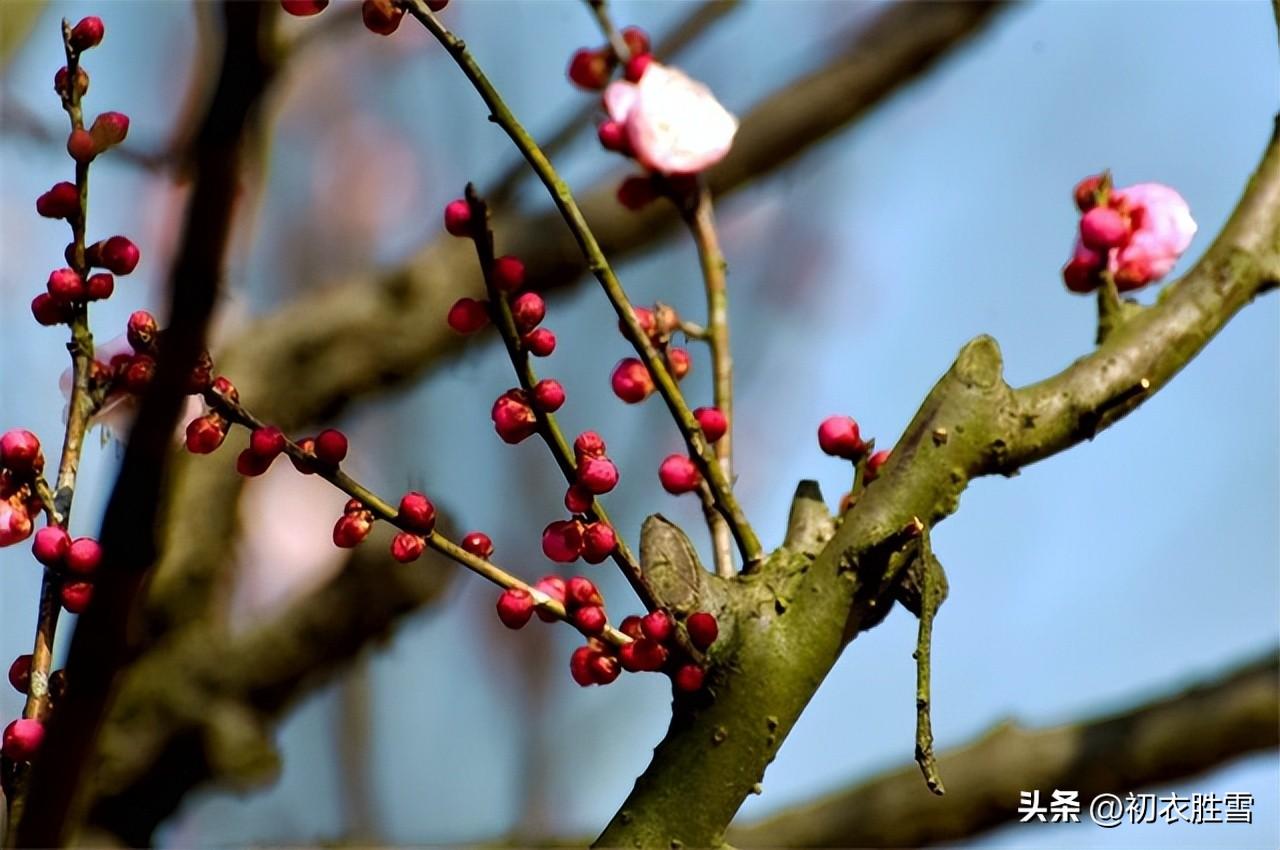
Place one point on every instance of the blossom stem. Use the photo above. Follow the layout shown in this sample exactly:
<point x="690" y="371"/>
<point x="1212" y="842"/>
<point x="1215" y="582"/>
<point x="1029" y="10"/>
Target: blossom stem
<point x="700" y="450"/>
<point x="548" y="427"/>
<point x="234" y="412"/>
<point x="600" y="9"/>
<point x="79" y="411"/>
<point x="701" y="223"/>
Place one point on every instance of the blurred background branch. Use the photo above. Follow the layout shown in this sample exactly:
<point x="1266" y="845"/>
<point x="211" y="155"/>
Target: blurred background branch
<point x="1173" y="737"/>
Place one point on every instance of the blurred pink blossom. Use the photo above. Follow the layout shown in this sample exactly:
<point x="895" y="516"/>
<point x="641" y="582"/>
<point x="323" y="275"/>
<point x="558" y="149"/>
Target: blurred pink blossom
<point x="674" y="124"/>
<point x="1162" y="230"/>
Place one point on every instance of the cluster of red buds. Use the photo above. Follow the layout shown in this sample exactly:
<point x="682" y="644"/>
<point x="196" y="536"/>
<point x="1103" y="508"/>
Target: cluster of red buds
<point x="1133" y="234"/>
<point x="380" y="16"/>
<point x="591" y="68"/>
<point x="21" y="461"/>
<point x="74" y="560"/>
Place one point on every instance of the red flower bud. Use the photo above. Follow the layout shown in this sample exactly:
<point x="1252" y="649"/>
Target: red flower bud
<point x="407" y="547"/>
<point x="20" y="452"/>
<point x="331" y="446"/>
<point x="839" y="436"/>
<point x="678" y="362"/>
<point x="603" y="668"/>
<point x="222" y="386"/>
<point x="351" y="529"/>
<point x="577" y="499"/>
<point x="589" y="69"/>
<point x="478" y="544"/>
<point x="631" y="381"/>
<point x="117" y="254"/>
<point x="142" y="331"/>
<point x="508" y="273"/>
<point x="657" y="625"/>
<point x="62" y="201"/>
<point x="613" y="137"/>
<point x="67" y="286"/>
<point x="588" y="444"/>
<point x="636" y="67"/>
<point x="528" y="310"/>
<point x="304" y="8"/>
<point x="467" y="315"/>
<point x="637" y="40"/>
<point x="50" y="545"/>
<point x="457" y="217"/>
<point x="20" y="673"/>
<point x="22" y="739"/>
<point x="49" y="311"/>
<point x="138" y="373"/>
<point x="598" y="542"/>
<point x="437" y="5"/>
<point x="267" y="442"/>
<point x="515" y="607"/>
<point x="556" y="588"/>
<point x="636" y="193"/>
<point x="1103" y="228"/>
<point x="60" y="82"/>
<point x="703" y="629"/>
<point x="580" y="591"/>
<point x="100" y="286"/>
<point x="81" y="146"/>
<point x="381" y="16"/>
<point x="712" y="422"/>
<point x="417" y="513"/>
<point x="539" y="342"/>
<point x="1086" y="191"/>
<point x="75" y="596"/>
<point x="874" y="463"/>
<point x="598" y="475"/>
<point x="642" y="656"/>
<point x="205" y="433"/>
<point x="109" y="129"/>
<point x="689" y="678"/>
<point x="88" y="33"/>
<point x="513" y="418"/>
<point x="548" y="395"/>
<point x="562" y="541"/>
<point x="252" y="465"/>
<point x="580" y="665"/>
<point x="590" y="619"/>
<point x="678" y="475"/>
<point x="83" y="556"/>
<point x="630" y="626"/>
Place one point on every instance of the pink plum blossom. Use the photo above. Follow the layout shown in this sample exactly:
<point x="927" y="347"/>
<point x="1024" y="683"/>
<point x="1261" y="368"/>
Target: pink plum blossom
<point x="674" y="124"/>
<point x="1162" y="230"/>
<point x="16" y="518"/>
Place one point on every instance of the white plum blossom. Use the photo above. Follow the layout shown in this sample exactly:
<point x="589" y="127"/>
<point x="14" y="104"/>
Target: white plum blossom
<point x="674" y="124"/>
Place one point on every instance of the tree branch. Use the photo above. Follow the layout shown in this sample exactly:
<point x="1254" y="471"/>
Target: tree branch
<point x="102" y="643"/>
<point x="369" y="334"/>
<point x="789" y="632"/>
<point x="1170" y="738"/>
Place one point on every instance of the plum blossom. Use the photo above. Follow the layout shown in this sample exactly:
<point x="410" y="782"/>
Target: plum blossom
<point x="1162" y="230"/>
<point x="1136" y="233"/>
<point x="18" y="508"/>
<point x="674" y="124"/>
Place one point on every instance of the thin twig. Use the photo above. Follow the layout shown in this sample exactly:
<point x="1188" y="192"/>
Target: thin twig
<point x="600" y="9"/>
<point x="548" y="427"/>
<point x="700" y="451"/>
<point x="702" y="225"/>
<point x="234" y="412"/>
<point x="932" y="592"/>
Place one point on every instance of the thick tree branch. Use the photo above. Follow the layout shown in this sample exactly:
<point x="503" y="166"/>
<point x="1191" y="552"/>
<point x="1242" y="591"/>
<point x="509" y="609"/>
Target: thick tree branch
<point x="103" y="643"/>
<point x="1171" y="738"/>
<point x="789" y="615"/>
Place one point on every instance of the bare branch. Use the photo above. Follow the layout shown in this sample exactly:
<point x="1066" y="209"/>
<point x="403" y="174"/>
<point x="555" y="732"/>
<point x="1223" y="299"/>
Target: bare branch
<point x="1171" y="738"/>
